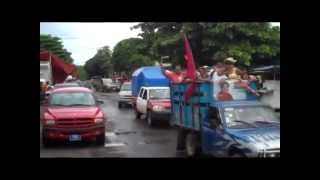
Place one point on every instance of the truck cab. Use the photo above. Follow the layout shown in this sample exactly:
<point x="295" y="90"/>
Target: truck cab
<point x="154" y="103"/>
<point x="242" y="127"/>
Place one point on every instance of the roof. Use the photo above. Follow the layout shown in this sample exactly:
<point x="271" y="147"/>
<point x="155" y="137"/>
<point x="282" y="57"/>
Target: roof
<point x="236" y="103"/>
<point x="150" y="72"/>
<point x="155" y="87"/>
<point x="72" y="89"/>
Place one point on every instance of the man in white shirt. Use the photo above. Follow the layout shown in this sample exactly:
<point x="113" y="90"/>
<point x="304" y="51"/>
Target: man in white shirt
<point x="217" y="77"/>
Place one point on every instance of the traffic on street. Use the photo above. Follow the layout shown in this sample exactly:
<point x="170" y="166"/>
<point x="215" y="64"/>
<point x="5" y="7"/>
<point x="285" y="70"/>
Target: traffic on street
<point x="175" y="99"/>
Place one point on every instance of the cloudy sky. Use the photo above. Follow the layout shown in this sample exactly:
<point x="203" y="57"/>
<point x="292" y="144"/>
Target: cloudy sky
<point x="84" y="39"/>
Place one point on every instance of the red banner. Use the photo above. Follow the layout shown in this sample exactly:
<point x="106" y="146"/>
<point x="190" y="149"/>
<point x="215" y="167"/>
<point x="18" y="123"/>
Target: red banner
<point x="60" y="69"/>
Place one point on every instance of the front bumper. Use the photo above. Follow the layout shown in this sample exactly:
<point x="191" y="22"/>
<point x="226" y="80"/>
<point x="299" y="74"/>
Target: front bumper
<point x="126" y="100"/>
<point x="63" y="134"/>
<point x="163" y="116"/>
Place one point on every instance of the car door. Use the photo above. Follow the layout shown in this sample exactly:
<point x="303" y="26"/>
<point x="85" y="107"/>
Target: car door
<point x="139" y="100"/>
<point x="213" y="137"/>
<point x="144" y="101"/>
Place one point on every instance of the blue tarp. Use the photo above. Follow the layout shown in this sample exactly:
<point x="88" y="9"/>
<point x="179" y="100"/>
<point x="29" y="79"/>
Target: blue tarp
<point x="148" y="76"/>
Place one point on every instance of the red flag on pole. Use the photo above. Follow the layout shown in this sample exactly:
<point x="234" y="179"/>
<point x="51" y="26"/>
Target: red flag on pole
<point x="191" y="69"/>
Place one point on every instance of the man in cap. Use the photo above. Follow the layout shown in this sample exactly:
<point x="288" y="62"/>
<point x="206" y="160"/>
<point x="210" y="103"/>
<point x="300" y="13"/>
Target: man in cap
<point x="232" y="72"/>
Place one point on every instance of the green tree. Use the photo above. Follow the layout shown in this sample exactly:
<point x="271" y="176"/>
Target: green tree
<point x="55" y="45"/>
<point x="250" y="43"/>
<point x="129" y="54"/>
<point x="100" y="63"/>
<point x="81" y="73"/>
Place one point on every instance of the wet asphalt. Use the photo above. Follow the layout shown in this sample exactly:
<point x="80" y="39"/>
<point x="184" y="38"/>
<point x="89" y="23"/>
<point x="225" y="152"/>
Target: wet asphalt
<point x="125" y="137"/>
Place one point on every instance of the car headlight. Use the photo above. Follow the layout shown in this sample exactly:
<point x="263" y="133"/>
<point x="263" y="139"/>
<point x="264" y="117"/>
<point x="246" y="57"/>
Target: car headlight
<point x="50" y="122"/>
<point x="98" y="120"/>
<point x="157" y="108"/>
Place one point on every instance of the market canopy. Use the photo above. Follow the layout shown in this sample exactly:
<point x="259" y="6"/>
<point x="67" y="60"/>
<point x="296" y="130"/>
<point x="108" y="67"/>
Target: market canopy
<point x="60" y="69"/>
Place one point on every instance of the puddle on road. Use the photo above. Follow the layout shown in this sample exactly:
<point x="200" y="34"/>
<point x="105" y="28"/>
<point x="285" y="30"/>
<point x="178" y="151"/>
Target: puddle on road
<point x="124" y="132"/>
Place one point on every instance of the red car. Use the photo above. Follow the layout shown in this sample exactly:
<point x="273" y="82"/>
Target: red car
<point x="73" y="114"/>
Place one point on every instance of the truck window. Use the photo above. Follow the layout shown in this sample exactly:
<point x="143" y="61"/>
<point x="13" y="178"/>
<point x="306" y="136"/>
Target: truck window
<point x="141" y="92"/>
<point x="145" y="94"/>
<point x="213" y="115"/>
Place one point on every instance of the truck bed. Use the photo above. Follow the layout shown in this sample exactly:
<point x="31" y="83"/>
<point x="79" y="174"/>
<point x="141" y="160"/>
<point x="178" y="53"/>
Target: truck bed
<point x="189" y="114"/>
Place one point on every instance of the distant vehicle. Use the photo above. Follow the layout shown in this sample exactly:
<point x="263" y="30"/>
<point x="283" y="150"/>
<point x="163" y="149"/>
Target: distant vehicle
<point x="109" y="85"/>
<point x="125" y="94"/>
<point x="46" y="71"/>
<point x="270" y="85"/>
<point x="72" y="114"/>
<point x="150" y="89"/>
<point x="88" y="85"/>
<point x="96" y="82"/>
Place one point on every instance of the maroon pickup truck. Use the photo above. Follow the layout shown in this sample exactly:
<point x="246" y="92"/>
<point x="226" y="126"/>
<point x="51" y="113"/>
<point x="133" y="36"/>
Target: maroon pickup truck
<point x="72" y="114"/>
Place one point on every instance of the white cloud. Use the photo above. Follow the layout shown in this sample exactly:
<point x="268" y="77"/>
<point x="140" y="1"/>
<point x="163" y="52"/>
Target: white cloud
<point x="84" y="39"/>
<point x="275" y="24"/>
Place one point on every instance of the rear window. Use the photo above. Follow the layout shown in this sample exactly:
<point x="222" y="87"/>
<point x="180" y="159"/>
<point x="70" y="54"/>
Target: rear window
<point x="126" y="87"/>
<point x="72" y="99"/>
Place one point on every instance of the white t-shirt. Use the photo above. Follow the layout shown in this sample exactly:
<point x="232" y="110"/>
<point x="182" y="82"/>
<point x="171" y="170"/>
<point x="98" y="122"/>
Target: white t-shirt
<point x="216" y="79"/>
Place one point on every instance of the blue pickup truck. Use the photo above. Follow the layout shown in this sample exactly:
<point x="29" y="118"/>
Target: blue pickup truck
<point x="242" y="127"/>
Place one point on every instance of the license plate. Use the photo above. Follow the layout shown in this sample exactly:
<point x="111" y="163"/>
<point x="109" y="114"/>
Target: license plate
<point x="74" y="137"/>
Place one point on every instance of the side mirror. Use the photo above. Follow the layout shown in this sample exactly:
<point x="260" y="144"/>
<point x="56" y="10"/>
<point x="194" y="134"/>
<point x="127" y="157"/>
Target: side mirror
<point x="100" y="102"/>
<point x="45" y="102"/>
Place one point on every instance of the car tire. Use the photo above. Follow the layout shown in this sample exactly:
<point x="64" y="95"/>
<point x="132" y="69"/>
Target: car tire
<point x="138" y="115"/>
<point x="45" y="141"/>
<point x="149" y="119"/>
<point x="181" y="138"/>
<point x="100" y="140"/>
<point x="192" y="144"/>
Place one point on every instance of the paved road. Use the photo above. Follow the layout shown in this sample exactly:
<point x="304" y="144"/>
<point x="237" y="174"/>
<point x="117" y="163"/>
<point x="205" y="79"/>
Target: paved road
<point x="125" y="137"/>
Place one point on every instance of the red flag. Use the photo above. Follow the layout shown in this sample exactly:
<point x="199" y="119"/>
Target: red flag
<point x="191" y="69"/>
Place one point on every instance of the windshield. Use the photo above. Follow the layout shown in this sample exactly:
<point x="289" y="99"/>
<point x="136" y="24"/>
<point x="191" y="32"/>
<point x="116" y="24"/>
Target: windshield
<point x="72" y="99"/>
<point x="126" y="87"/>
<point x="159" y="94"/>
<point x="245" y="117"/>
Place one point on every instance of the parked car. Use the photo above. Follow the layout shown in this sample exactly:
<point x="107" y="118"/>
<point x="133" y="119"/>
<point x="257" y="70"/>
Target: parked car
<point x="125" y="95"/>
<point x="72" y="114"/>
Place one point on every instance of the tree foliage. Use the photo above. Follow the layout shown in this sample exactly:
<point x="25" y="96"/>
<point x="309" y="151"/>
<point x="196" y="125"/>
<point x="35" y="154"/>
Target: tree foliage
<point x="100" y="64"/>
<point x="55" y="45"/>
<point x="81" y="73"/>
<point x="129" y="53"/>
<point x="250" y="43"/>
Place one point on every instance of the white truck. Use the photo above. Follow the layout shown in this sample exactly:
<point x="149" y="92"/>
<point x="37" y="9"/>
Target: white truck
<point x="154" y="103"/>
<point x="46" y="71"/>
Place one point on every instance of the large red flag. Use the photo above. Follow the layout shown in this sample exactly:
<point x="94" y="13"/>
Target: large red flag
<point x="191" y="69"/>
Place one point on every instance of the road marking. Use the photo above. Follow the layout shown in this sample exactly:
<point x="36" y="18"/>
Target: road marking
<point x="114" y="145"/>
<point x="110" y="134"/>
